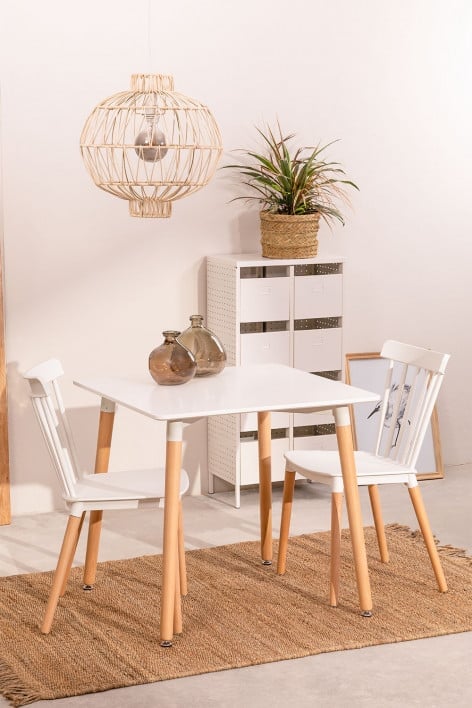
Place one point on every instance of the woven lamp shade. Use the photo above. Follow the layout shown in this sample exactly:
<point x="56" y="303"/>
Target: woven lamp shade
<point x="151" y="145"/>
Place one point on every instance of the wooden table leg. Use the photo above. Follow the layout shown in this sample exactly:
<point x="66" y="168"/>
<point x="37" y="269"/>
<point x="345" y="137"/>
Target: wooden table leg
<point x="265" y="485"/>
<point x="351" y="491"/>
<point x="105" y="432"/>
<point x="171" y="525"/>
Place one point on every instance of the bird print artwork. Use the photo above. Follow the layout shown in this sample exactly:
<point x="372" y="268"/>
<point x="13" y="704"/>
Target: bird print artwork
<point x="390" y="406"/>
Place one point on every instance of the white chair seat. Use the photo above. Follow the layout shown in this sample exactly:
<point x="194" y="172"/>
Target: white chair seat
<point x="324" y="466"/>
<point x="120" y="486"/>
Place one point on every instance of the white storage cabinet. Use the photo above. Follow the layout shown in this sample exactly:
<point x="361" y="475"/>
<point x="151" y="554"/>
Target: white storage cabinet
<point x="273" y="311"/>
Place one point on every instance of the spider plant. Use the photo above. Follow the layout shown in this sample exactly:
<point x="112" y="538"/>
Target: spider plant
<point x="294" y="184"/>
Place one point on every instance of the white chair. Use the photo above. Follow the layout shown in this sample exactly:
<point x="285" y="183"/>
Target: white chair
<point x="414" y="377"/>
<point x="89" y="492"/>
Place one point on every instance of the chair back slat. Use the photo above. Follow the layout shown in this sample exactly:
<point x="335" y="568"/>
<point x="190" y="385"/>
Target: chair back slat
<point x="414" y="377"/>
<point x="384" y="407"/>
<point x="57" y="451"/>
<point x="51" y="415"/>
<point x="425" y="416"/>
<point x="64" y="422"/>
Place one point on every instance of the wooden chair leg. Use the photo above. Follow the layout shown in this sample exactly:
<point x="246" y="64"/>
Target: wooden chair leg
<point x="91" y="555"/>
<point x="63" y="564"/>
<point x="177" y="603"/>
<point x="378" y="522"/>
<point x="289" y="485"/>
<point x="425" y="527"/>
<point x="335" y="562"/>
<point x="67" y="574"/>
<point x="102" y="458"/>
<point x="182" y="563"/>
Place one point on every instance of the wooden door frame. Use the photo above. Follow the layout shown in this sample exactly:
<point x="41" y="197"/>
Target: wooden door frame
<point x="5" y="511"/>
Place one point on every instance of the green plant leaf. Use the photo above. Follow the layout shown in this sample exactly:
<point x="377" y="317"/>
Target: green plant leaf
<point x="298" y="183"/>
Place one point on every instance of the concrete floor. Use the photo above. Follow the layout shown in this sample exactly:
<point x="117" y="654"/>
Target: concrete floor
<point x="432" y="673"/>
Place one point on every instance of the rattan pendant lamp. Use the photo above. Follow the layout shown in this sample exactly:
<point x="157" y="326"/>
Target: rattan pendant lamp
<point x="151" y="145"/>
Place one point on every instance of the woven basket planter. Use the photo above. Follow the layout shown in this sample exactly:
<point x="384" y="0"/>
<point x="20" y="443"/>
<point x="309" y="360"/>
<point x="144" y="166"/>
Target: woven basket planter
<point x="287" y="236"/>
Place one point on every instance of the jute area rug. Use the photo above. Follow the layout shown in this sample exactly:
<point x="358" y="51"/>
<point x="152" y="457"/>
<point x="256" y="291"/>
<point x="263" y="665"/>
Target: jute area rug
<point x="237" y="613"/>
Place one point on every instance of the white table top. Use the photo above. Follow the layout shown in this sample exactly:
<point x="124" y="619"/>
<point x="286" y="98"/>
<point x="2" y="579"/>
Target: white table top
<point x="237" y="389"/>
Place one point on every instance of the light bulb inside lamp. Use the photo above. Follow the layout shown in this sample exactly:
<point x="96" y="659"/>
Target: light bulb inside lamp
<point x="151" y="142"/>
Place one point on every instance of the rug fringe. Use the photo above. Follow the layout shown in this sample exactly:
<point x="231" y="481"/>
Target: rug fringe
<point x="444" y="550"/>
<point x="406" y="530"/>
<point x="453" y="552"/>
<point x="13" y="690"/>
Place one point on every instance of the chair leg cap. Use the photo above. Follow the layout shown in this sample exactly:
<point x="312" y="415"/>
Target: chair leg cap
<point x="87" y="588"/>
<point x="366" y="613"/>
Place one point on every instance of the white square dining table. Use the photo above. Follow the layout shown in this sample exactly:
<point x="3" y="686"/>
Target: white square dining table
<point x="237" y="389"/>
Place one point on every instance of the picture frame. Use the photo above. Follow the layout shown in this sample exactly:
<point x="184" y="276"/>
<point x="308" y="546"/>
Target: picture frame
<point x="368" y="371"/>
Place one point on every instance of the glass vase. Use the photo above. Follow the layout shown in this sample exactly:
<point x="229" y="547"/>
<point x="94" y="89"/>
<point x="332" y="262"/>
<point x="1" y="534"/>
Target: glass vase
<point x="171" y="363"/>
<point x="205" y="346"/>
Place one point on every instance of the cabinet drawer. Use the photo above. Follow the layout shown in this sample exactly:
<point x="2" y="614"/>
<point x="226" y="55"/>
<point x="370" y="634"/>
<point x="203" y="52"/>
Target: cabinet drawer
<point x="250" y="460"/>
<point x="316" y="442"/>
<point x="318" y="296"/>
<point x="265" y="299"/>
<point x="322" y="418"/>
<point x="277" y="420"/>
<point x="318" y="349"/>
<point x="265" y="348"/>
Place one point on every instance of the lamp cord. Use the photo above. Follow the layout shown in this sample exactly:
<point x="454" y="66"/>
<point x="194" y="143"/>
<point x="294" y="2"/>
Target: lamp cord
<point x="149" y="37"/>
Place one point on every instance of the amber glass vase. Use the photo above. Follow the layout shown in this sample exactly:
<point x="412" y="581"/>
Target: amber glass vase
<point x="205" y="346"/>
<point x="172" y="363"/>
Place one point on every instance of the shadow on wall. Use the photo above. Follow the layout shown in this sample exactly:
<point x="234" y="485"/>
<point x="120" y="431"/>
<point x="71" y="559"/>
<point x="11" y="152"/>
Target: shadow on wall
<point x="195" y="464"/>
<point x="245" y="238"/>
<point x="246" y="232"/>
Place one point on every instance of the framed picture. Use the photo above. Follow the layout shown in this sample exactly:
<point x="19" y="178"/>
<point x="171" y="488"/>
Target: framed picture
<point x="368" y="371"/>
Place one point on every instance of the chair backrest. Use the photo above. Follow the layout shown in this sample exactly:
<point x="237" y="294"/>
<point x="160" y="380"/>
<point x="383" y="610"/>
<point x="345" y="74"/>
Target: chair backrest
<point x="414" y="377"/>
<point x="51" y="414"/>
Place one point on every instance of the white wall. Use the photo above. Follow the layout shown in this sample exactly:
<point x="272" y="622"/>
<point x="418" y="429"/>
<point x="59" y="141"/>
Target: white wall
<point x="89" y="284"/>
